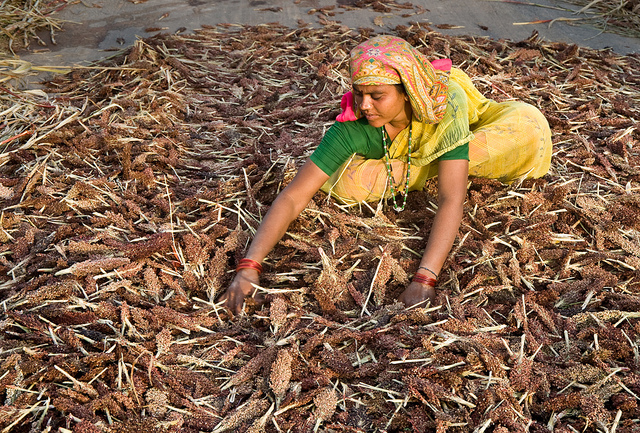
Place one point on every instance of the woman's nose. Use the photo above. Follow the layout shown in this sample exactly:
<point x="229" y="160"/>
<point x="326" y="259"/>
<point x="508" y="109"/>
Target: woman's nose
<point x="365" y="104"/>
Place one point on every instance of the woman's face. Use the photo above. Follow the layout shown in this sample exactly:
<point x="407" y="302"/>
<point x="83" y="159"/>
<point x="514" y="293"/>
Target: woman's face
<point x="383" y="104"/>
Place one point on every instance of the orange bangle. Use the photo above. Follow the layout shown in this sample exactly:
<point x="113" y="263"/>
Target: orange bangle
<point x="422" y="279"/>
<point x="249" y="264"/>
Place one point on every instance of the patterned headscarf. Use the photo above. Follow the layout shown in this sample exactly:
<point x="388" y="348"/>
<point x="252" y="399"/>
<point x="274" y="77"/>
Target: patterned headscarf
<point x="391" y="60"/>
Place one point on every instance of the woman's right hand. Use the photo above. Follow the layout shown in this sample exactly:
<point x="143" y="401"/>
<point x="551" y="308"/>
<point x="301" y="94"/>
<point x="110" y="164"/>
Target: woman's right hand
<point x="239" y="289"/>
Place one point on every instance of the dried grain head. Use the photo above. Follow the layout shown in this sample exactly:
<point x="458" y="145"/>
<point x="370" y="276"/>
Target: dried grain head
<point x="171" y="282"/>
<point x="546" y="315"/>
<point x="191" y="281"/>
<point x="70" y="338"/>
<point x="331" y="286"/>
<point x="157" y="402"/>
<point x="59" y="290"/>
<point x="85" y="426"/>
<point x="520" y="375"/>
<point x="252" y="409"/>
<point x="583" y="373"/>
<point x="331" y="235"/>
<point x="600" y="276"/>
<point x="118" y="220"/>
<point x="457" y="326"/>
<point x="532" y="201"/>
<point x="337" y="361"/>
<point x="193" y="249"/>
<point x="278" y="312"/>
<point x="170" y="315"/>
<point x="163" y="341"/>
<point x="85" y="247"/>
<point x="281" y="373"/>
<point x="325" y="402"/>
<point x="93" y="267"/>
<point x="215" y="277"/>
<point x="594" y="409"/>
<point x="152" y="283"/>
<point x="248" y="371"/>
<point x="624" y="402"/>
<point x="157" y="243"/>
<point x="384" y="271"/>
<point x="107" y="310"/>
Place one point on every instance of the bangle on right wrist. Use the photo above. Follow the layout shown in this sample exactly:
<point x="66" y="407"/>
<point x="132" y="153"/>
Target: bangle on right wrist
<point x="429" y="270"/>
<point x="423" y="279"/>
<point x="249" y="264"/>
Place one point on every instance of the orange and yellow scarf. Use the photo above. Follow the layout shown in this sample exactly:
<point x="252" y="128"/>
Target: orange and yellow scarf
<point x="391" y="60"/>
<point x="443" y="99"/>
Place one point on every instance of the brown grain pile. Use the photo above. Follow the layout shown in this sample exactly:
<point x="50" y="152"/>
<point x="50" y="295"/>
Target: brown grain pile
<point x="130" y="193"/>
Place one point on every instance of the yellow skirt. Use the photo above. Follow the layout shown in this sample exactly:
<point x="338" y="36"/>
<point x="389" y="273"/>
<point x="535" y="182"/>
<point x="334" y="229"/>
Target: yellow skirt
<point x="512" y="141"/>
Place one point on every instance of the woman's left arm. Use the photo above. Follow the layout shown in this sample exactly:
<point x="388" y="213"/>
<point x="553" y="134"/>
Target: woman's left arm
<point x="452" y="192"/>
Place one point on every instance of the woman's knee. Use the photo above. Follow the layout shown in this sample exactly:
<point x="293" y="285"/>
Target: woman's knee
<point x="532" y="114"/>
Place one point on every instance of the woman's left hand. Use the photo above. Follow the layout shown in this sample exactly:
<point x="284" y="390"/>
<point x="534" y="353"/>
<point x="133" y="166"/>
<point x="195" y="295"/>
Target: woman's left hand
<point x="452" y="190"/>
<point x="417" y="293"/>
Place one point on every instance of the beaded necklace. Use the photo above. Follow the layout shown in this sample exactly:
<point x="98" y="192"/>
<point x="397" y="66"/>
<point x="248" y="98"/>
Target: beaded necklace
<point x="387" y="162"/>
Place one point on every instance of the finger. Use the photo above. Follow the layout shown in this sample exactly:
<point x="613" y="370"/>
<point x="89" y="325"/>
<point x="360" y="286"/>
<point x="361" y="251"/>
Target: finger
<point x="260" y="298"/>
<point x="237" y="306"/>
<point x="237" y="303"/>
<point x="230" y="303"/>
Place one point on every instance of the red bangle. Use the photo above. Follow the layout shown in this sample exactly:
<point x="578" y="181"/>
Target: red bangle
<point x="422" y="279"/>
<point x="249" y="264"/>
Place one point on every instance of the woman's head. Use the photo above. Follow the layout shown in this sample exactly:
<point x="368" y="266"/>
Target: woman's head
<point x="388" y="60"/>
<point x="383" y="103"/>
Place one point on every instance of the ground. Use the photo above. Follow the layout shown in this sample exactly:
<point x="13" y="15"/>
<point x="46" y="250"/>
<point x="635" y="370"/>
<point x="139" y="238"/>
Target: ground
<point x="130" y="189"/>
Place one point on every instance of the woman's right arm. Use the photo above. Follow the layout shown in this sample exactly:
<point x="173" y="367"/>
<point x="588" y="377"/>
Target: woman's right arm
<point x="287" y="206"/>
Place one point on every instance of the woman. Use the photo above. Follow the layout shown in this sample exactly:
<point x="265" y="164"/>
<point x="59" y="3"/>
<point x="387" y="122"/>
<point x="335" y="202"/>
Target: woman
<point x="406" y="120"/>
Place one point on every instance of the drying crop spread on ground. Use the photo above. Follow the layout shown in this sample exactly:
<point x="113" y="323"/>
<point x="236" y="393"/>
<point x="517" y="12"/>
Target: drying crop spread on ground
<point x="129" y="191"/>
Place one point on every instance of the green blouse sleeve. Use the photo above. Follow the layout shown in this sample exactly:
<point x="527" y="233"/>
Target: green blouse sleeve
<point x="460" y="152"/>
<point x="344" y="139"/>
